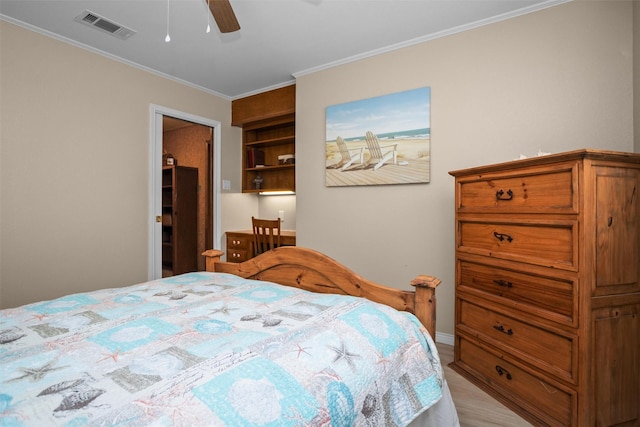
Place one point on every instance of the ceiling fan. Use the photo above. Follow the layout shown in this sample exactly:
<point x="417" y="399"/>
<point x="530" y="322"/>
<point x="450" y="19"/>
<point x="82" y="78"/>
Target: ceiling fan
<point x="223" y="15"/>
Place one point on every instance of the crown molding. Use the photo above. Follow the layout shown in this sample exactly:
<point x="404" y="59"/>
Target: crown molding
<point x="423" y="39"/>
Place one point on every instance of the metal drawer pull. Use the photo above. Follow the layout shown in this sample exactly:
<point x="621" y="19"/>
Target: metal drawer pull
<point x="500" y="195"/>
<point x="501" y="371"/>
<point x="500" y="328"/>
<point x="503" y="283"/>
<point x="501" y="236"/>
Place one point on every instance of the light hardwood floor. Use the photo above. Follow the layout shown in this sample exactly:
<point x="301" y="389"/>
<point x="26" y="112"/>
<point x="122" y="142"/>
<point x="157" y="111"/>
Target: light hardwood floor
<point x="475" y="407"/>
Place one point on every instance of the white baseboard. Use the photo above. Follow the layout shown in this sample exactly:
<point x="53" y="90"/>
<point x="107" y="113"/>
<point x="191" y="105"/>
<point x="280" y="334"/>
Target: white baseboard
<point x="444" y="338"/>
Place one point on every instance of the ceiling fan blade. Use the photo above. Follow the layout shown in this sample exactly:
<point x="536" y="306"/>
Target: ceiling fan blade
<point x="223" y="14"/>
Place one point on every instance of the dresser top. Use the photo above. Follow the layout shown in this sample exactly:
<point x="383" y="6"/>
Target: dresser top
<point x="586" y="153"/>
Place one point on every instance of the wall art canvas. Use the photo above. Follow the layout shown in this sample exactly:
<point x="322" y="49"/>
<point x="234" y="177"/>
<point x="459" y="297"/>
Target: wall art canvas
<point x="381" y="140"/>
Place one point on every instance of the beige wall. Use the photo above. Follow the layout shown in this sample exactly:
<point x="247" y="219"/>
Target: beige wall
<point x="74" y="178"/>
<point x="74" y="149"/>
<point x="554" y="80"/>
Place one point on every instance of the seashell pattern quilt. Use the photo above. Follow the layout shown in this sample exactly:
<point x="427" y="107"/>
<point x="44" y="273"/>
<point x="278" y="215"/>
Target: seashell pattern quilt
<point x="213" y="349"/>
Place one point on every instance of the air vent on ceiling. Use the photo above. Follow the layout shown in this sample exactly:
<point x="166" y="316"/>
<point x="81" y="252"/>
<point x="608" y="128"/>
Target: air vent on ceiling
<point x="94" y="20"/>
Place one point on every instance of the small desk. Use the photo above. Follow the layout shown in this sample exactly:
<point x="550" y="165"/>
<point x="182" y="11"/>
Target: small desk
<point x="240" y="243"/>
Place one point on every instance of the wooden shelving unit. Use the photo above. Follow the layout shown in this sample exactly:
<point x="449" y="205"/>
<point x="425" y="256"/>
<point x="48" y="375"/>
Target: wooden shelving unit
<point x="273" y="138"/>
<point x="268" y="128"/>
<point x="179" y="219"/>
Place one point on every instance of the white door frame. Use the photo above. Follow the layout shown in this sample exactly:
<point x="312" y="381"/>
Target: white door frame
<point x="154" y="270"/>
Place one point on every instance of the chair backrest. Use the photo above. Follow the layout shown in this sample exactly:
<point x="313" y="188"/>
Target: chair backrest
<point x="344" y="151"/>
<point x="266" y="234"/>
<point x="373" y="145"/>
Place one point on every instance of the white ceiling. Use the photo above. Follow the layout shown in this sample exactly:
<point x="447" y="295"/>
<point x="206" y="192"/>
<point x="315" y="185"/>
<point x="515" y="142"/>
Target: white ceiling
<point x="278" y="39"/>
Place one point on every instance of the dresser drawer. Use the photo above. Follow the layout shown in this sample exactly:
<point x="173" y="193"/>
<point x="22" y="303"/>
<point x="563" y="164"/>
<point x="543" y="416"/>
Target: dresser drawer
<point x="548" y="297"/>
<point x="234" y="255"/>
<point x="545" y="349"/>
<point x="532" y="191"/>
<point x="545" y="243"/>
<point x="238" y="247"/>
<point x="238" y="242"/>
<point x="537" y="396"/>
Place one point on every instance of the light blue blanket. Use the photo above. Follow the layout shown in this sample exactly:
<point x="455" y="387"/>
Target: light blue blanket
<point x="205" y="349"/>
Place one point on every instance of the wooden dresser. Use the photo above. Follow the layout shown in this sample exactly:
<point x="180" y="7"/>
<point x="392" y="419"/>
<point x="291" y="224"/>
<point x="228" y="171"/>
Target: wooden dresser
<point x="548" y="286"/>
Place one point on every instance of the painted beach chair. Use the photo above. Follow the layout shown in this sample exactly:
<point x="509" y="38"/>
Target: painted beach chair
<point x="376" y="151"/>
<point x="348" y="159"/>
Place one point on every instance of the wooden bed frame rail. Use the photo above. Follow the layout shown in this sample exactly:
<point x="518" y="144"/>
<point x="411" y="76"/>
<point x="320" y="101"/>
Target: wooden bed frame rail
<point x="311" y="270"/>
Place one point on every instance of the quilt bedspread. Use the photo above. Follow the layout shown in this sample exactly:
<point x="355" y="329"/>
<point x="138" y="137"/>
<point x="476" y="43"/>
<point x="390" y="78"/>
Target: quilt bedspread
<point x="205" y="349"/>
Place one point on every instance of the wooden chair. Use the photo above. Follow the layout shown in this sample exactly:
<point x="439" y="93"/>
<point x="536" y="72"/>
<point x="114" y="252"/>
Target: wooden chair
<point x="266" y="234"/>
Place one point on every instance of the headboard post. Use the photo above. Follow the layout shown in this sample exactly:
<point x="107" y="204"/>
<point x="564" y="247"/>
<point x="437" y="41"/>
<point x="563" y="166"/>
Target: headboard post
<point x="425" y="305"/>
<point x="212" y="256"/>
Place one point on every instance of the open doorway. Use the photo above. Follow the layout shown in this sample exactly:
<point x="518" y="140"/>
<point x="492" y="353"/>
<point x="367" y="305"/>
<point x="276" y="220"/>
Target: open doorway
<point x="194" y="143"/>
<point x="187" y="205"/>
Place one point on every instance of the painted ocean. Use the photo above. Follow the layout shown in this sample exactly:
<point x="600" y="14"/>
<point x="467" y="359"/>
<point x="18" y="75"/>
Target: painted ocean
<point x="404" y="134"/>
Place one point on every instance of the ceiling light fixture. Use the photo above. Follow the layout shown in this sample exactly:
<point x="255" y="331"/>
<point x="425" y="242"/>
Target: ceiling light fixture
<point x="208" y="18"/>
<point x="167" y="38"/>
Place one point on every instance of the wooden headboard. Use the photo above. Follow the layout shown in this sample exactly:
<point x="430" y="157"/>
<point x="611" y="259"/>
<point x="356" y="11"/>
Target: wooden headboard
<point x="311" y="270"/>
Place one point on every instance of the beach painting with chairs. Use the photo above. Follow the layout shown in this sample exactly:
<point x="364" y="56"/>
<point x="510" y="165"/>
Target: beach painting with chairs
<point x="379" y="141"/>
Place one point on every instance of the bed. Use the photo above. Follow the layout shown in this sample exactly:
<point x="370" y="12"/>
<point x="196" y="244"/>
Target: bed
<point x="284" y="339"/>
